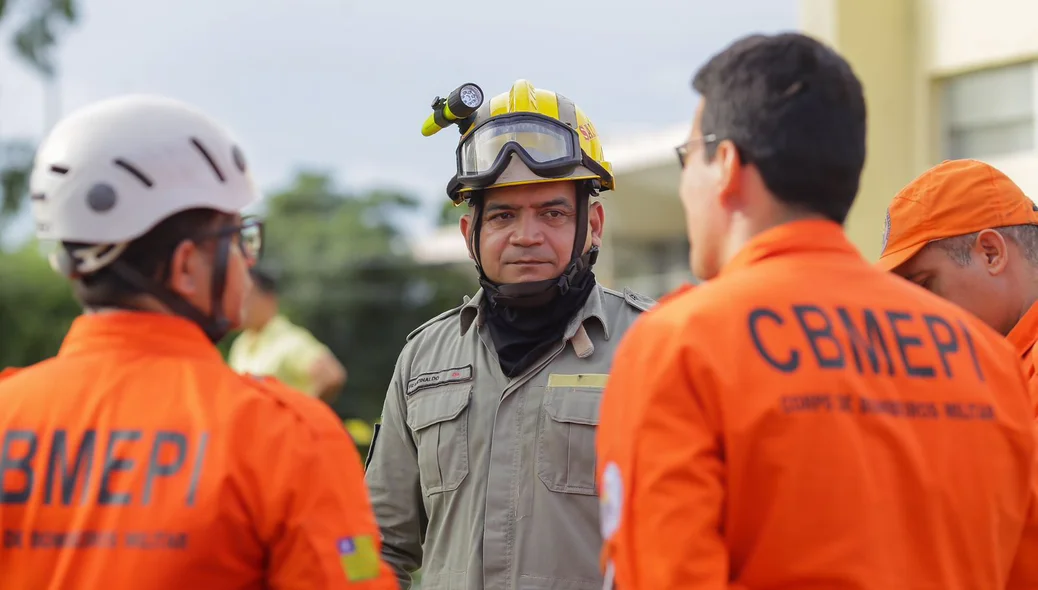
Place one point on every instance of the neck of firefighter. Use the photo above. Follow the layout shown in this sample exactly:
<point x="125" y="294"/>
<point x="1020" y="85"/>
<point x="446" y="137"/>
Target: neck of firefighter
<point x="750" y="208"/>
<point x="534" y="257"/>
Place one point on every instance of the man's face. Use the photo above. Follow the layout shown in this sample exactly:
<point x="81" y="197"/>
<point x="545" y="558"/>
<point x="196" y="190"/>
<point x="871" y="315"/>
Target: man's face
<point x="972" y="287"/>
<point x="528" y="231"/>
<point x="701" y="186"/>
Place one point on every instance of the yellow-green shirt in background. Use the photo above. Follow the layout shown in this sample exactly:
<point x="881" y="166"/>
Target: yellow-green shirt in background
<point x="286" y="351"/>
<point x="280" y="349"/>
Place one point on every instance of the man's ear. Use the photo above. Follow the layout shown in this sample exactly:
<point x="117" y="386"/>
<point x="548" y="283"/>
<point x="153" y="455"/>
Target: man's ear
<point x="729" y="173"/>
<point x="993" y="251"/>
<point x="465" y="224"/>
<point x="183" y="265"/>
<point x="596" y="219"/>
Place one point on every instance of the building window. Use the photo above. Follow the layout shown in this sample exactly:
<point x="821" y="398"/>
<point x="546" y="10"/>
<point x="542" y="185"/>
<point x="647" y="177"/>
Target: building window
<point x="990" y="112"/>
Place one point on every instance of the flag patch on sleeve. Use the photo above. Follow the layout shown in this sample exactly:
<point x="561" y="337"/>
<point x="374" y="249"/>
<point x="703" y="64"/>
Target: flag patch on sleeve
<point x="358" y="557"/>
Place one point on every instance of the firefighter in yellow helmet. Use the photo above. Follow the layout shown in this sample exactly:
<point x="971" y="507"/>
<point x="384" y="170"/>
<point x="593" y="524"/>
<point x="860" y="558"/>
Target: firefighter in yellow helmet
<point x="482" y="471"/>
<point x="531" y="136"/>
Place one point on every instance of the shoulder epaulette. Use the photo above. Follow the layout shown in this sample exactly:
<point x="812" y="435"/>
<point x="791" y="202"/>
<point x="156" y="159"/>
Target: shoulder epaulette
<point x="265" y="382"/>
<point x="441" y="317"/>
<point x="637" y="300"/>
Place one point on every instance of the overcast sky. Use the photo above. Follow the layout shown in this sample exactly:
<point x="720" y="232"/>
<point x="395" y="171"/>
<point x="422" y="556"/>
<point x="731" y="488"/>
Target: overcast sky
<point x="344" y="85"/>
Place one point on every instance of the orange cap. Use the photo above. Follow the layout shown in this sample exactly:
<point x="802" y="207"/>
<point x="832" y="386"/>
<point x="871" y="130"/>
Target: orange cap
<point x="954" y="198"/>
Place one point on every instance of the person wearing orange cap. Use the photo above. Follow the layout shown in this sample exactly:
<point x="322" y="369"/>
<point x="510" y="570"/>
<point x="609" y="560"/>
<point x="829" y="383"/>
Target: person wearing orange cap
<point x="966" y="232"/>
<point x="802" y="419"/>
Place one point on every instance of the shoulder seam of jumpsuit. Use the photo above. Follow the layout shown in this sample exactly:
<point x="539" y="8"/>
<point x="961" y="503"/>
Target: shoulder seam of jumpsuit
<point x="9" y="372"/>
<point x="272" y="389"/>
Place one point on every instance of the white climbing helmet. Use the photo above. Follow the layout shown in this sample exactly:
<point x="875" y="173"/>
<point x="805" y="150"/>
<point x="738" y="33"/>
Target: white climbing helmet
<point x="110" y="172"/>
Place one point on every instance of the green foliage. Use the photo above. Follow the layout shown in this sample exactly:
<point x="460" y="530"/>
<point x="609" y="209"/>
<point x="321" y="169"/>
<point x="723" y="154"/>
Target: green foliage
<point x="37" y="33"/>
<point x="348" y="276"/>
<point x="36" y="308"/>
<point x="450" y="213"/>
<point x="39" y="24"/>
<point x="15" y="167"/>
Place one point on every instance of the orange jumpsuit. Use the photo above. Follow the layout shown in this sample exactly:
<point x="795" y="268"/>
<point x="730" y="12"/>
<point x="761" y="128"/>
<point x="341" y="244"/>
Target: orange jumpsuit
<point x="1023" y="337"/>
<point x="808" y="422"/>
<point x="137" y="459"/>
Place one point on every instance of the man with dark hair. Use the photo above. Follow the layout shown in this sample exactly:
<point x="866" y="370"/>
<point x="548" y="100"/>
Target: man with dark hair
<point x="966" y="232"/>
<point x="808" y="153"/>
<point x="135" y="458"/>
<point x="148" y="255"/>
<point x="791" y="422"/>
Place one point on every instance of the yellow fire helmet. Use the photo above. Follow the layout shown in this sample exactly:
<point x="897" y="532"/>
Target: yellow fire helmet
<point x="527" y="135"/>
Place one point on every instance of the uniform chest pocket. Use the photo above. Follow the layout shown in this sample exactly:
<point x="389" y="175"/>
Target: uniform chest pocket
<point x="438" y="419"/>
<point x="566" y="442"/>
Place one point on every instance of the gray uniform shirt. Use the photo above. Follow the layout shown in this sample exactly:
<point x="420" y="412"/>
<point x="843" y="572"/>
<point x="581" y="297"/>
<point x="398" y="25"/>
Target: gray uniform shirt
<point x="489" y="482"/>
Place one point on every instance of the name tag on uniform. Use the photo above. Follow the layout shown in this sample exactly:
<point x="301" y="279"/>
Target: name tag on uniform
<point x="436" y="378"/>
<point x="590" y="380"/>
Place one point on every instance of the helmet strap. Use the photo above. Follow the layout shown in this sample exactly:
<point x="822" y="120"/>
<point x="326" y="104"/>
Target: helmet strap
<point x="215" y="325"/>
<point x="539" y="293"/>
<point x="525" y="320"/>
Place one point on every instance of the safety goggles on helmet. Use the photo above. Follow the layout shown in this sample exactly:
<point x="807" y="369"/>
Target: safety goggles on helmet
<point x="548" y="147"/>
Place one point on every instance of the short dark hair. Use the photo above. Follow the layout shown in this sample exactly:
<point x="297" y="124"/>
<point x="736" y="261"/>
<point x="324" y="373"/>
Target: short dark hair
<point x="149" y="255"/>
<point x="796" y="111"/>
<point x="265" y="280"/>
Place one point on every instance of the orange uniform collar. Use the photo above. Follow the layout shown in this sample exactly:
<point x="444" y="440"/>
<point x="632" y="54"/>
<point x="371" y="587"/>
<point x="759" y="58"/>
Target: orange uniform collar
<point x="1025" y="333"/>
<point x="147" y="332"/>
<point x="814" y="235"/>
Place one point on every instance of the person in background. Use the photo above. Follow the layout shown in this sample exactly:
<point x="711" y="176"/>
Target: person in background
<point x="135" y="458"/>
<point x="270" y="344"/>
<point x="483" y="469"/>
<point x="803" y="419"/>
<point x="963" y="230"/>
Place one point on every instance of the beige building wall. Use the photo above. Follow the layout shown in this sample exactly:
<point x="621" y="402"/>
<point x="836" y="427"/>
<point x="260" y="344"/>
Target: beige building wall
<point x="879" y="38"/>
<point x="907" y="53"/>
<point x="971" y="34"/>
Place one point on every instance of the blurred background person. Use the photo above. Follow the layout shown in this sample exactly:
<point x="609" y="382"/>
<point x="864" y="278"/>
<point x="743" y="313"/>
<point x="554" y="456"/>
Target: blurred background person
<point x="270" y="344"/>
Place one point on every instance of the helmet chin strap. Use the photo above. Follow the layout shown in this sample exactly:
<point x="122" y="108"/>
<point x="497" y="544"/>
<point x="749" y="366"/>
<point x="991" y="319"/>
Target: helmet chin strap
<point x="539" y="293"/>
<point x="216" y="325"/>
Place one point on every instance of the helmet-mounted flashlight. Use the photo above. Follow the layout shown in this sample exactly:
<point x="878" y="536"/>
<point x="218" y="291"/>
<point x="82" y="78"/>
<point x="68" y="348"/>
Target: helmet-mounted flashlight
<point x="459" y="105"/>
